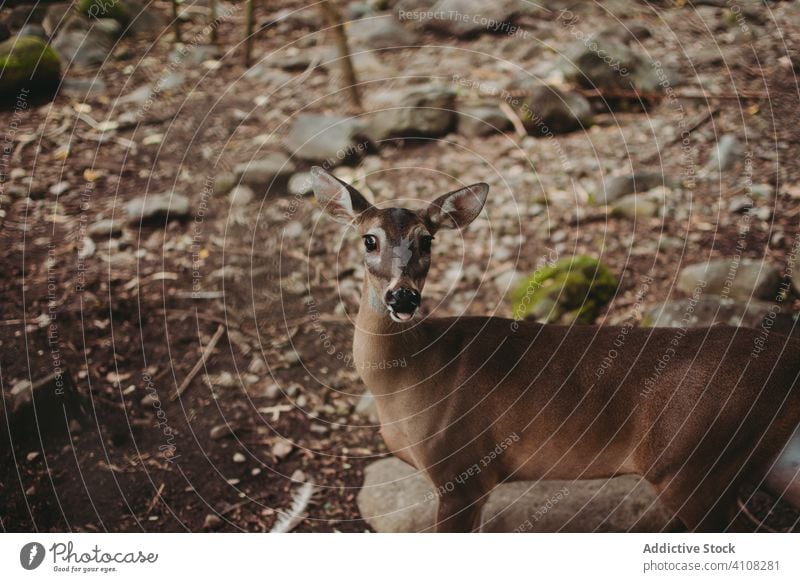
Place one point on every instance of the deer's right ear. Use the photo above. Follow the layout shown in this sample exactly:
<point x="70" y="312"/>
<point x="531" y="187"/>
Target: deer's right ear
<point x="340" y="201"/>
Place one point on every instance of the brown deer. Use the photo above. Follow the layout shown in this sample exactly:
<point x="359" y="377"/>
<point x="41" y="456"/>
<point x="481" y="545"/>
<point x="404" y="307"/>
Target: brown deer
<point x="484" y="400"/>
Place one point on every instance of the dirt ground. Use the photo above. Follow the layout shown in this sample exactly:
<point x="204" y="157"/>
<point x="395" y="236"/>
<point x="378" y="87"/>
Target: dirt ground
<point x="130" y="320"/>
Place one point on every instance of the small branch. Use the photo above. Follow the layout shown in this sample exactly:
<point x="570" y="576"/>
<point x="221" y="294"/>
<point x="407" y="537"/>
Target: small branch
<point x="200" y="363"/>
<point x="248" y="39"/>
<point x="519" y="127"/>
<point x="154" y="500"/>
<point x="212" y="20"/>
<point x="176" y="23"/>
<point x="334" y="19"/>
<point x="656" y="95"/>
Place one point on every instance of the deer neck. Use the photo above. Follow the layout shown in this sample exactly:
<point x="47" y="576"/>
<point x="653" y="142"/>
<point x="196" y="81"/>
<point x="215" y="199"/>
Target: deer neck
<point x="382" y="349"/>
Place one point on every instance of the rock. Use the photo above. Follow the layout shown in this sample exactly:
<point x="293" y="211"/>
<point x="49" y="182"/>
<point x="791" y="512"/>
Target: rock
<point x="239" y="458"/>
<point x="379" y="32"/>
<point x="43" y="409"/>
<point x="742" y="280"/>
<point x="300" y="184"/>
<point x="466" y="18"/>
<point x="224" y="183"/>
<point x="740" y="204"/>
<point x="83" y="48"/>
<point x="83" y="88"/>
<point x="482" y="120"/>
<point x="104" y="229"/>
<point x="158" y="208"/>
<point x="711" y="310"/>
<point x="546" y="110"/>
<point x="298" y="476"/>
<point x="572" y="290"/>
<point x="633" y="207"/>
<point x="281" y="449"/>
<point x="366" y="407"/>
<point x="266" y="174"/>
<point x="222" y="431"/>
<point x="725" y="154"/>
<point x="615" y="187"/>
<point x="420" y="112"/>
<point x="36" y="30"/>
<point x="397" y="498"/>
<point x="326" y="139"/>
<point x="212" y="522"/>
<point x="608" y="64"/>
<point x="28" y="62"/>
<point x="194" y="55"/>
<point x="134" y="15"/>
<point x="59" y="188"/>
<point x="241" y="195"/>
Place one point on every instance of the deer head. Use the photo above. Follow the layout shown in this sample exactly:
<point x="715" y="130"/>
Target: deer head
<point x="397" y="241"/>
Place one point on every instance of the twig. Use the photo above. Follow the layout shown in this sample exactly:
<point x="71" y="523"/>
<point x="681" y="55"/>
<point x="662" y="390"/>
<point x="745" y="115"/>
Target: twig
<point x="154" y="500"/>
<point x="176" y="23"/>
<point x="655" y="95"/>
<point x="200" y="363"/>
<point x="248" y="39"/>
<point x="519" y="127"/>
<point x="340" y="38"/>
<point x="753" y="518"/>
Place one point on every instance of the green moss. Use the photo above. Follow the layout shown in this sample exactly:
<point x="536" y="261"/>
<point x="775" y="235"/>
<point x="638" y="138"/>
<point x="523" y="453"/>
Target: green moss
<point x="27" y="60"/>
<point x="572" y="290"/>
<point x="104" y="9"/>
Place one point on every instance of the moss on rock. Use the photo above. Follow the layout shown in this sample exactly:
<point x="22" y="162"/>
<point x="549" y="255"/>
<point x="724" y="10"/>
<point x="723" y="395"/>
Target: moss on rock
<point x="115" y="9"/>
<point x="572" y="290"/>
<point x="27" y="61"/>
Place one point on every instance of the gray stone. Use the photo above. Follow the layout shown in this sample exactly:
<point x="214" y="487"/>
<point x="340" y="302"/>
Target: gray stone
<point x="608" y="64"/>
<point x="725" y="153"/>
<point x="465" y="18"/>
<point x="241" y="195"/>
<point x="743" y="280"/>
<point x="83" y="88"/>
<point x="223" y="183"/>
<point x="326" y="139"/>
<point x="300" y="184"/>
<point x="82" y="48"/>
<point x="366" y="408"/>
<point x="396" y="498"/>
<point x="33" y="30"/>
<point x="740" y="204"/>
<point x="379" y="32"/>
<point x="615" y="187"/>
<point x="546" y="110"/>
<point x="104" y="229"/>
<point x="632" y="206"/>
<point x="420" y="112"/>
<point x="158" y="208"/>
<point x="267" y="173"/>
<point x="482" y="120"/>
<point x="710" y="311"/>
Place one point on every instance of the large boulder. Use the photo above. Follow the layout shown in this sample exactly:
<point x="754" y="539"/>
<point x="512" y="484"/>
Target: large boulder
<point x="615" y="187"/>
<point x="135" y="16"/>
<point x="546" y="110"/>
<point x="465" y="18"/>
<point x="379" y="32"/>
<point x="572" y="290"/>
<point x="27" y="61"/>
<point x="84" y="47"/>
<point x="326" y="139"/>
<point x="605" y="63"/>
<point x="740" y="279"/>
<point x="397" y="498"/>
<point x="418" y="112"/>
<point x="481" y="120"/>
<point x="710" y="310"/>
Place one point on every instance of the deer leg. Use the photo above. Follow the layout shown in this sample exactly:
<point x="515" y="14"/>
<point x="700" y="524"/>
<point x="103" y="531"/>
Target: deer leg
<point x="460" y="512"/>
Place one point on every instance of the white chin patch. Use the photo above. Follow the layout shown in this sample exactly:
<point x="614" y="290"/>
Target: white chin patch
<point x="401" y="317"/>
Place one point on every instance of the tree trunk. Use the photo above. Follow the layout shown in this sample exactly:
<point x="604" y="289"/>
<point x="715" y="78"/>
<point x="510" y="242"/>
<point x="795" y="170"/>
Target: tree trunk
<point x="334" y="20"/>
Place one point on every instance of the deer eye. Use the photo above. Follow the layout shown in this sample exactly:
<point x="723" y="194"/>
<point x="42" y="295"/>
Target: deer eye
<point x="370" y="243"/>
<point x="425" y="244"/>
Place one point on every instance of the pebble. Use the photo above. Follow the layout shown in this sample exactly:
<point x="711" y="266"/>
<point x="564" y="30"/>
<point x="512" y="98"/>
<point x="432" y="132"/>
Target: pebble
<point x="239" y="458"/>
<point x="212" y="521"/>
<point x="281" y="449"/>
<point x="32" y="456"/>
<point x="298" y="476"/>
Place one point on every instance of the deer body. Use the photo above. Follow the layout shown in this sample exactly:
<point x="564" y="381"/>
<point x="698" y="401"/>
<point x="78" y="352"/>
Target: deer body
<point x="485" y="400"/>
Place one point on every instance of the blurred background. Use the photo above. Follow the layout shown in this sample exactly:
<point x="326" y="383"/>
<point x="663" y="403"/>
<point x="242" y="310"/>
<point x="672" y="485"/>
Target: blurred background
<point x="176" y="314"/>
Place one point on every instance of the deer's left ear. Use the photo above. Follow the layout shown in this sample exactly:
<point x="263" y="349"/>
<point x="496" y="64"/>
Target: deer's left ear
<point x="457" y="209"/>
<point x="339" y="200"/>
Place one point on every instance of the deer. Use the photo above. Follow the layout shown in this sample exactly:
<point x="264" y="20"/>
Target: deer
<point x="486" y="400"/>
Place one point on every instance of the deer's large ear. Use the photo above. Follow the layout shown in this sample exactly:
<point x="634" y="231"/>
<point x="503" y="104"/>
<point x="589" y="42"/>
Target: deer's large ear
<point x="341" y="201"/>
<point x="457" y="209"/>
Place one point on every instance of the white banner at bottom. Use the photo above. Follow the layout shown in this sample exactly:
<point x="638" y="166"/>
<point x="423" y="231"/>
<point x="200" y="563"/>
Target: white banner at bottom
<point x="400" y="557"/>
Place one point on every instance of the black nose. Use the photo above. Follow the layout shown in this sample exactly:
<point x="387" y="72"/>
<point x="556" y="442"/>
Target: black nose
<point x="403" y="300"/>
